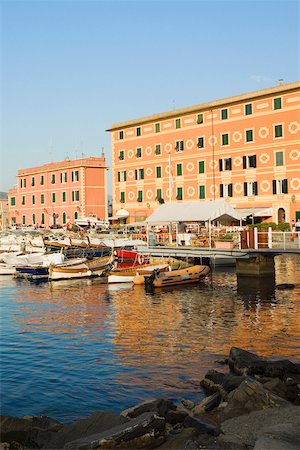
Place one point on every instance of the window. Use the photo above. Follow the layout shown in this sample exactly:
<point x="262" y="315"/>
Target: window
<point x="157" y="128"/>
<point x="121" y="134"/>
<point x="278" y="131"/>
<point x="33" y="199"/>
<point x="179" y="146"/>
<point x="63" y="177"/>
<point x="53" y="197"/>
<point x="200" y="143"/>
<point x="122" y="176"/>
<point x="249" y="135"/>
<point x="75" y="175"/>
<point x="280" y="186"/>
<point x="32" y="181"/>
<point x="42" y="198"/>
<point x="178" y="123"/>
<point x="42" y="182"/>
<point x="13" y="201"/>
<point x="140" y="196"/>
<point x="21" y="183"/>
<point x="201" y="166"/>
<point x="179" y="193"/>
<point x="75" y="215"/>
<point x="139" y="174"/>
<point x="226" y="190"/>
<point x="23" y="220"/>
<point x="225" y="164"/>
<point x="121" y="155"/>
<point x="64" y="218"/>
<point x="225" y="139"/>
<point x="23" y="200"/>
<point x="53" y="179"/>
<point x="33" y="219"/>
<point x="75" y="196"/>
<point x="277" y="103"/>
<point x="250" y="188"/>
<point x="138" y="131"/>
<point x="64" y="196"/>
<point x="224" y="114"/>
<point x="158" y="172"/>
<point x="157" y="149"/>
<point x="249" y="161"/>
<point x="139" y="152"/>
<point x="248" y="109"/>
<point x="200" y="118"/>
<point x="122" y="197"/>
<point x="43" y="219"/>
<point x="201" y="191"/>
<point x="179" y="170"/>
<point x="158" y="194"/>
<point x="279" y="159"/>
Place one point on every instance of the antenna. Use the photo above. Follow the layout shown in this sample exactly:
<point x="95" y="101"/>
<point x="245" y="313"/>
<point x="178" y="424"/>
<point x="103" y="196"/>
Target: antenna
<point x="103" y="152"/>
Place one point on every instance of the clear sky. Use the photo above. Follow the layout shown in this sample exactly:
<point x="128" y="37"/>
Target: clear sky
<point x="70" y="69"/>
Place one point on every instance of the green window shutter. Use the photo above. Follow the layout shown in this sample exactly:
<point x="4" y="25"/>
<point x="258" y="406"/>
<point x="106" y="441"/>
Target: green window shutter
<point x="178" y="123"/>
<point x="201" y="192"/>
<point x="255" y="188"/>
<point x="158" y="194"/>
<point x="42" y="198"/>
<point x="225" y="139"/>
<point x="277" y="103"/>
<point x="122" y="197"/>
<point x="13" y="201"/>
<point x="249" y="135"/>
<point x="64" y="197"/>
<point x="42" y="218"/>
<point x="200" y="118"/>
<point x="224" y="114"/>
<point x="248" y="109"/>
<point x="285" y="186"/>
<point x="245" y="189"/>
<point x="33" y="219"/>
<point x="140" y="196"/>
<point x="142" y="174"/>
<point x="157" y="127"/>
<point x="158" y="172"/>
<point x="278" y="130"/>
<point x="279" y="158"/>
<point x="201" y="167"/>
<point x="23" y="220"/>
<point x="138" y="131"/>
<point x="179" y="193"/>
<point x="125" y="175"/>
<point x="33" y="200"/>
<point x="179" y="169"/>
<point x="221" y="190"/>
<point x="119" y="176"/>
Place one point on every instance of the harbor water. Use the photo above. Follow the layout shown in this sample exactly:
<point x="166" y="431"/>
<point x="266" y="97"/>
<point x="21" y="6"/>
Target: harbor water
<point x="69" y="348"/>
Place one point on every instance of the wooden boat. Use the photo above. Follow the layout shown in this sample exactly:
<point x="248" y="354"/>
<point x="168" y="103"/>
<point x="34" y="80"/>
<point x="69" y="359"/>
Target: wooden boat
<point x="80" y="268"/>
<point x="131" y="255"/>
<point x="191" y="274"/>
<point x="7" y="269"/>
<point x="127" y="275"/>
<point x="32" y="272"/>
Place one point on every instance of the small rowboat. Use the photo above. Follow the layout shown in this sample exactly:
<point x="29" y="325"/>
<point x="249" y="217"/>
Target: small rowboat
<point x="128" y="275"/>
<point x="81" y="268"/>
<point x="182" y="276"/>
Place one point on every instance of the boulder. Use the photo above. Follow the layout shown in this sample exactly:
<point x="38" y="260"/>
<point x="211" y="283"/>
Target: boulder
<point x="202" y="424"/>
<point x="284" y="436"/>
<point x="223" y="383"/>
<point x="207" y="404"/>
<point x="145" y="430"/>
<point x="159" y="405"/>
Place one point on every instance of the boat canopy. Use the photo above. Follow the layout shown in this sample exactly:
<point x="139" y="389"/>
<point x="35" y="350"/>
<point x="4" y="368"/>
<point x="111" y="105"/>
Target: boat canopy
<point x="194" y="212"/>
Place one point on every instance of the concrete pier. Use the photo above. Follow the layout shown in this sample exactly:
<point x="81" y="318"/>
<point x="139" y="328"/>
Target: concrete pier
<point x="257" y="265"/>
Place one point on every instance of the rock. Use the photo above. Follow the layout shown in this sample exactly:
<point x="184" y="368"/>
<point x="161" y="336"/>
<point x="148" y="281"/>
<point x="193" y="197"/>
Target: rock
<point x="181" y="441"/>
<point x="285" y="286"/>
<point x="284" y="436"/>
<point x="243" y="362"/>
<point x="202" y="424"/>
<point x="250" y="396"/>
<point x="276" y="385"/>
<point x="158" y="405"/>
<point x="96" y="423"/>
<point x="175" y="417"/>
<point x="223" y="383"/>
<point x="145" y="430"/>
<point x="188" y="404"/>
<point x="207" y="404"/>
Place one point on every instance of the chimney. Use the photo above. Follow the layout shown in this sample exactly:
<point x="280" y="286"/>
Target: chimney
<point x="281" y="82"/>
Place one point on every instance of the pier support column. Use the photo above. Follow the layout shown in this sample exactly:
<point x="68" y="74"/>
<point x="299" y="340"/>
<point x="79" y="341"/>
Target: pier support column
<point x="256" y="266"/>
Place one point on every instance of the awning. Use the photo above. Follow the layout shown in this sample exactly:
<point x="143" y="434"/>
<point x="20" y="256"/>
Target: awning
<point x="267" y="212"/>
<point x="122" y="214"/>
<point x="263" y="211"/>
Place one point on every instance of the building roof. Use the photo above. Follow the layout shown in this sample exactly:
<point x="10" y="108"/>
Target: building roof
<point x="66" y="163"/>
<point x="193" y="212"/>
<point x="208" y="105"/>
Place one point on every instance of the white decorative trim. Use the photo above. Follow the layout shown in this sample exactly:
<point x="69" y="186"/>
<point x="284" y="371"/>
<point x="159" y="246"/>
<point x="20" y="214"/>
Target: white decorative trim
<point x="265" y="185"/>
<point x="129" y="133"/>
<point x="264" y="158"/>
<point x="238" y="161"/>
<point x="237" y="136"/>
<point x="190" y="167"/>
<point x="167" y="125"/>
<point x="190" y="191"/>
<point x="189" y="144"/>
<point x="263" y="132"/>
<point x="293" y="99"/>
<point x="167" y="170"/>
<point x="209" y="116"/>
<point x="295" y="184"/>
<point x="131" y="195"/>
<point x="213" y="164"/>
<point x="130" y="154"/>
<point x="188" y="121"/>
<point x="149" y="194"/>
<point x="168" y="147"/>
<point x="147" y="129"/>
<point x="236" y="111"/>
<point x="294" y="154"/>
<point x="213" y="189"/>
<point x="238" y="188"/>
<point x="294" y="127"/>
<point x="168" y="193"/>
<point x="148" y="151"/>
<point x="212" y="140"/>
<point x="148" y="171"/>
<point x="130" y="173"/>
<point x="262" y="105"/>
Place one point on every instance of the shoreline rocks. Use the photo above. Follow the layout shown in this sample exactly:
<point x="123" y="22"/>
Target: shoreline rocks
<point x="253" y="406"/>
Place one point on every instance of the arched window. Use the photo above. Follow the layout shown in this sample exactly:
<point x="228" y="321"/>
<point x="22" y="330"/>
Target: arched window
<point x="75" y="215"/>
<point x="33" y="219"/>
<point x="64" y="217"/>
<point x="281" y="215"/>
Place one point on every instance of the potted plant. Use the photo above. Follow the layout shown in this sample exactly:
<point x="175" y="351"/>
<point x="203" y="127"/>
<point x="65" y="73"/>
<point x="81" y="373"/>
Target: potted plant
<point x="224" y="241"/>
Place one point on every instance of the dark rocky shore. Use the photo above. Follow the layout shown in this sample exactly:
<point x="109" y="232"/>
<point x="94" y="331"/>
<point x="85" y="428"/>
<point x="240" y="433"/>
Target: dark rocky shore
<point x="254" y="405"/>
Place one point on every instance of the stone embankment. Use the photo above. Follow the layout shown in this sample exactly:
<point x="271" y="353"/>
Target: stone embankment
<point x="254" y="405"/>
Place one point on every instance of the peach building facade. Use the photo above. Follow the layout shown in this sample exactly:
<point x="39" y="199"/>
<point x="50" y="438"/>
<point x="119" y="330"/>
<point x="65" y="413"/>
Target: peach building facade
<point x="59" y="192"/>
<point x="244" y="148"/>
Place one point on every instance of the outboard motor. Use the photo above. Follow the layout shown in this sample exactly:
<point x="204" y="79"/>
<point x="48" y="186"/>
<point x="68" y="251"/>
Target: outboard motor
<point x="148" y="280"/>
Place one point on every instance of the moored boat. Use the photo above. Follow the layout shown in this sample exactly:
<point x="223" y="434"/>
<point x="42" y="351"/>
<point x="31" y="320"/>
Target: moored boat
<point x="32" y="272"/>
<point x="81" y="268"/>
<point x="191" y="274"/>
<point x="127" y="275"/>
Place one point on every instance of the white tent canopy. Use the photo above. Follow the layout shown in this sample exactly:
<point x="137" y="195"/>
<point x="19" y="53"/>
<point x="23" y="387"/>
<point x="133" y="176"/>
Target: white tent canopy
<point x="194" y="212"/>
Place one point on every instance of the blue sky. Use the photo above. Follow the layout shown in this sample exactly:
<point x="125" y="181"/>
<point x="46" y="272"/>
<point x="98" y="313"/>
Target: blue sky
<point x="70" y="69"/>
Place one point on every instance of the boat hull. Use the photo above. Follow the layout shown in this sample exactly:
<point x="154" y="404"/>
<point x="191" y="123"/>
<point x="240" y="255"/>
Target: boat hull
<point x="192" y="274"/>
<point x="133" y="274"/>
<point x="84" y="269"/>
<point x="32" y="273"/>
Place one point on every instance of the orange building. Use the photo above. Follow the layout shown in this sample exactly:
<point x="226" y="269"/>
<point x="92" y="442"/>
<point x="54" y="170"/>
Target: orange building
<point x="60" y="192"/>
<point x="244" y="148"/>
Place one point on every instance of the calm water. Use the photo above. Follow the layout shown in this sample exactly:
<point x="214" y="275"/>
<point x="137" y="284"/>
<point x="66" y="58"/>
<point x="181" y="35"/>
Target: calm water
<point x="70" y="348"/>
